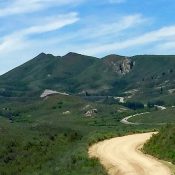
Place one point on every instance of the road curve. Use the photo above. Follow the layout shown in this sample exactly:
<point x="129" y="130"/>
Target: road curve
<point x="121" y="156"/>
<point x="126" y="122"/>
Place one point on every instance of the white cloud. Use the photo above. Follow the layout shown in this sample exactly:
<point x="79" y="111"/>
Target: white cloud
<point x="120" y="25"/>
<point x="17" y="40"/>
<point x="160" y="35"/>
<point x="52" y="24"/>
<point x="29" y="6"/>
<point x="107" y="30"/>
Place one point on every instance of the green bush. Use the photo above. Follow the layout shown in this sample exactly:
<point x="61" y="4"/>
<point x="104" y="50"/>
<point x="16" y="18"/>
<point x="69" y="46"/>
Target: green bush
<point x="162" y="145"/>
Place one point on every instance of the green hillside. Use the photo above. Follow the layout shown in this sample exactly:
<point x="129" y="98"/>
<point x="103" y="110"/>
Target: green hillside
<point x="156" y="117"/>
<point x="153" y="76"/>
<point x="45" y="71"/>
<point x="162" y="145"/>
<point x="137" y="78"/>
<point x="51" y="135"/>
<point x="41" y="137"/>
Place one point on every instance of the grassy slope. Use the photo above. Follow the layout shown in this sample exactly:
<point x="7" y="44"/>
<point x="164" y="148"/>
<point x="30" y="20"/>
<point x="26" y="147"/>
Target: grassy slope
<point x="75" y="73"/>
<point x="46" y="71"/>
<point x="149" y="73"/>
<point x="162" y="145"/>
<point x="165" y="116"/>
<point x="41" y="140"/>
<point x="153" y="69"/>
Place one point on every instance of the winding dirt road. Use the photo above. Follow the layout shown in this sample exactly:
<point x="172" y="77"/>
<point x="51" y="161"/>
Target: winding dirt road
<point x="121" y="156"/>
<point x="126" y="122"/>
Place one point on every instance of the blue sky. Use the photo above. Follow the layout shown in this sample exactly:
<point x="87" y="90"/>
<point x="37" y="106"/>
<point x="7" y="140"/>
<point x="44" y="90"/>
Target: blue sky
<point x="97" y="28"/>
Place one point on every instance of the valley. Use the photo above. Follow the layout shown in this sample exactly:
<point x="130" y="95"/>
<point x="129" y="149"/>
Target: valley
<point x="52" y="109"/>
<point x="87" y="87"/>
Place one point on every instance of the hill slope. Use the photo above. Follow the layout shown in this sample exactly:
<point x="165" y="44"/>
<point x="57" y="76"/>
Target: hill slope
<point x="162" y="145"/>
<point x="138" y="77"/>
<point x="72" y="72"/>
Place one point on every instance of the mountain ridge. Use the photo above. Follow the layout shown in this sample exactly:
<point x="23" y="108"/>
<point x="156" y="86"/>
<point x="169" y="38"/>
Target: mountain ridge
<point x="76" y="73"/>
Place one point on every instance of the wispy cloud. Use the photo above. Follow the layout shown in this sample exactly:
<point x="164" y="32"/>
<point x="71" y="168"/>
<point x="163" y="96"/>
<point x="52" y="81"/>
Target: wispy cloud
<point x="115" y="27"/>
<point x="29" y="6"/>
<point x="101" y="30"/>
<point x="51" y="24"/>
<point x="17" y="39"/>
<point x="87" y="36"/>
<point x="161" y="35"/>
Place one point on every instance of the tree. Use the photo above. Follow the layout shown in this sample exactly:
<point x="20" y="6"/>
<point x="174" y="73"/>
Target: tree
<point x="134" y="105"/>
<point x="150" y="105"/>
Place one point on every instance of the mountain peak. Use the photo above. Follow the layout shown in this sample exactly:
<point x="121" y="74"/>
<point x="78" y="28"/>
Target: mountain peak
<point x="41" y="54"/>
<point x="72" y="54"/>
<point x="76" y="56"/>
<point x="44" y="55"/>
<point x="114" y="56"/>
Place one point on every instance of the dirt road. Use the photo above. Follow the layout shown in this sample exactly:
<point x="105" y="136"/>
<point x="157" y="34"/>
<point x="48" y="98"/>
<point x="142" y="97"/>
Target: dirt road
<point x="126" y="122"/>
<point x="121" y="156"/>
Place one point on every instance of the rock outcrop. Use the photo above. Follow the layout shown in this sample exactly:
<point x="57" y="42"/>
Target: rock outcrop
<point x="120" y="65"/>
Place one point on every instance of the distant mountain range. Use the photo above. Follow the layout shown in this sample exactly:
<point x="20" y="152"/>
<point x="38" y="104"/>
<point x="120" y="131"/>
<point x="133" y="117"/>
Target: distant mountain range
<point x="138" y="77"/>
